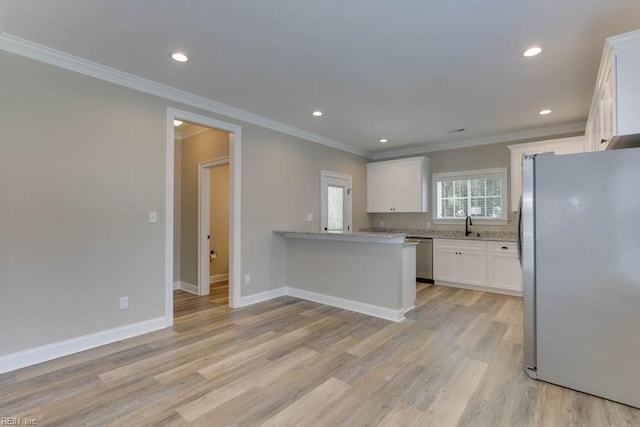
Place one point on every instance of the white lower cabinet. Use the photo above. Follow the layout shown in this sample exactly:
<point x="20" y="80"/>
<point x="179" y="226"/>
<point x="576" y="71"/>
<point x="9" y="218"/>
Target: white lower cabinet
<point x="493" y="266"/>
<point x="473" y="267"/>
<point x="446" y="263"/>
<point x="460" y="261"/>
<point x="503" y="266"/>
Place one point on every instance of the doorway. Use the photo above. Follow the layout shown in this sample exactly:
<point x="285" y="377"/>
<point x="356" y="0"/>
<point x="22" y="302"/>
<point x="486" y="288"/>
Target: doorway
<point x="335" y="202"/>
<point x="183" y="266"/>
<point x="213" y="230"/>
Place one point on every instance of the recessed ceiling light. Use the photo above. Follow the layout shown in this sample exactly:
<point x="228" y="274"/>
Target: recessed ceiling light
<point x="383" y="140"/>
<point x="177" y="122"/>
<point x="532" y="51"/>
<point x="317" y="113"/>
<point x="179" y="57"/>
<point x="544" y="112"/>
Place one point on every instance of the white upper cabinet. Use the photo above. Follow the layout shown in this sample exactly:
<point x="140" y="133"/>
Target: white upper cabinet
<point x="398" y="185"/>
<point x="577" y="144"/>
<point x="615" y="107"/>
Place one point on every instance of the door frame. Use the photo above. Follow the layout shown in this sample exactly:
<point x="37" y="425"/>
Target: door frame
<point x="235" y="204"/>
<point x="348" y="207"/>
<point x="204" y="221"/>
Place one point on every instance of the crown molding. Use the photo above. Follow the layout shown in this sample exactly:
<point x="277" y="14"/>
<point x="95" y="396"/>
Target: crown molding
<point x="623" y="38"/>
<point x="19" y="46"/>
<point x="507" y="137"/>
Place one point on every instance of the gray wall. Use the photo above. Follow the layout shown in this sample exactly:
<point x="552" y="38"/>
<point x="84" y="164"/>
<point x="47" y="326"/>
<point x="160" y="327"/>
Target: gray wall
<point x="81" y="165"/>
<point x="369" y="273"/>
<point x="460" y="159"/>
<point x="281" y="185"/>
<point x="82" y="162"/>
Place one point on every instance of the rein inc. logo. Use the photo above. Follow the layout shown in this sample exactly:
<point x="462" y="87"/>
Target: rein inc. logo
<point x="18" y="421"/>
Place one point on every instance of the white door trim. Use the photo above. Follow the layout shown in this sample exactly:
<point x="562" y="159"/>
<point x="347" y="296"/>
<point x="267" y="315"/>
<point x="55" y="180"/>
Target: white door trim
<point x="235" y="205"/>
<point x="348" y="216"/>
<point x="204" y="220"/>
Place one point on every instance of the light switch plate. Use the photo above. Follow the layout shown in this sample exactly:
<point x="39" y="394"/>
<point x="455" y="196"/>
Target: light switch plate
<point x="153" y="217"/>
<point x="309" y="217"/>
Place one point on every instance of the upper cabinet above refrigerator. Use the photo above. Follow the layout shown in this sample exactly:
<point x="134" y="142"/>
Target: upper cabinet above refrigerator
<point x="614" y="118"/>
<point x="576" y="144"/>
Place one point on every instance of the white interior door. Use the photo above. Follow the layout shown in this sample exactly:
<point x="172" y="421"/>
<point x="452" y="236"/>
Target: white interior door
<point x="335" y="203"/>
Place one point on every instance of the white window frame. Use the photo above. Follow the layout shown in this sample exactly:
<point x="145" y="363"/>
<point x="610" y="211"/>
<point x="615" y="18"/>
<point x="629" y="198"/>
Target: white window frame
<point x="471" y="174"/>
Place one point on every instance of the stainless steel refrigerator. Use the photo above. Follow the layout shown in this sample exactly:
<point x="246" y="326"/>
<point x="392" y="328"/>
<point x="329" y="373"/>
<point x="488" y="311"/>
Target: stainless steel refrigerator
<point x="579" y="236"/>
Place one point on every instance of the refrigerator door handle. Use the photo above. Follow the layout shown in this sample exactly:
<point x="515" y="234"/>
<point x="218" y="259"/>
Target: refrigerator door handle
<point x="519" y="232"/>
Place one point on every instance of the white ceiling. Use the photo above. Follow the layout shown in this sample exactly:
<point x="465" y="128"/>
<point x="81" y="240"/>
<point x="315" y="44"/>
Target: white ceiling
<point x="186" y="130"/>
<point x="406" y="70"/>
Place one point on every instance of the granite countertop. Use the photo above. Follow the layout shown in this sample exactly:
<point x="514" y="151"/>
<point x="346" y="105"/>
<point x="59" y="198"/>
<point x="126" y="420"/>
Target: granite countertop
<point x="361" y="236"/>
<point x="396" y="234"/>
<point x="498" y="236"/>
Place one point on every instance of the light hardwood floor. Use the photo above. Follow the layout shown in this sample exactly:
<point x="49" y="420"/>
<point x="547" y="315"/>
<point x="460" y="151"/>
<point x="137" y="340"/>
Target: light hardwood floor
<point x="456" y="360"/>
<point x="219" y="292"/>
<point x="186" y="303"/>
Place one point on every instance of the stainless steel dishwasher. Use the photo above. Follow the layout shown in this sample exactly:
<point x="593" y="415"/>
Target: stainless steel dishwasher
<point x="424" y="258"/>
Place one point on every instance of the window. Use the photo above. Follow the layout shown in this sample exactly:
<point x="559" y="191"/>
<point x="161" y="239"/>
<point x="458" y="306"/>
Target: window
<point x="335" y="214"/>
<point x="480" y="194"/>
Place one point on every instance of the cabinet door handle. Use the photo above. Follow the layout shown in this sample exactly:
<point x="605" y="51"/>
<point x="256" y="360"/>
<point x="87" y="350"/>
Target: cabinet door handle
<point x="505" y="247"/>
<point x="603" y="140"/>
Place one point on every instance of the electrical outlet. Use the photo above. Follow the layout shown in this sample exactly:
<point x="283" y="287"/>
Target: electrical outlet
<point x="381" y="223"/>
<point x="428" y="224"/>
<point x="153" y="217"/>
<point x="247" y="279"/>
<point x="124" y="303"/>
<point x="309" y="217"/>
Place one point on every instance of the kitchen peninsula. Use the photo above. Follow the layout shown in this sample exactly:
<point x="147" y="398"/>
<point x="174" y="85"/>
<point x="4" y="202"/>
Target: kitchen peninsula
<point x="370" y="273"/>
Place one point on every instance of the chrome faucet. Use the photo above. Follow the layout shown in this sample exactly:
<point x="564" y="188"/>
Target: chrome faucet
<point x="467" y="223"/>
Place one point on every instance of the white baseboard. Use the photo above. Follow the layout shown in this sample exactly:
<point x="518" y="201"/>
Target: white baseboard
<point x="176" y="286"/>
<point x="262" y="296"/>
<point x="219" y="278"/>
<point x="480" y="288"/>
<point x="359" y="307"/>
<point x="189" y="287"/>
<point x="48" y="352"/>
